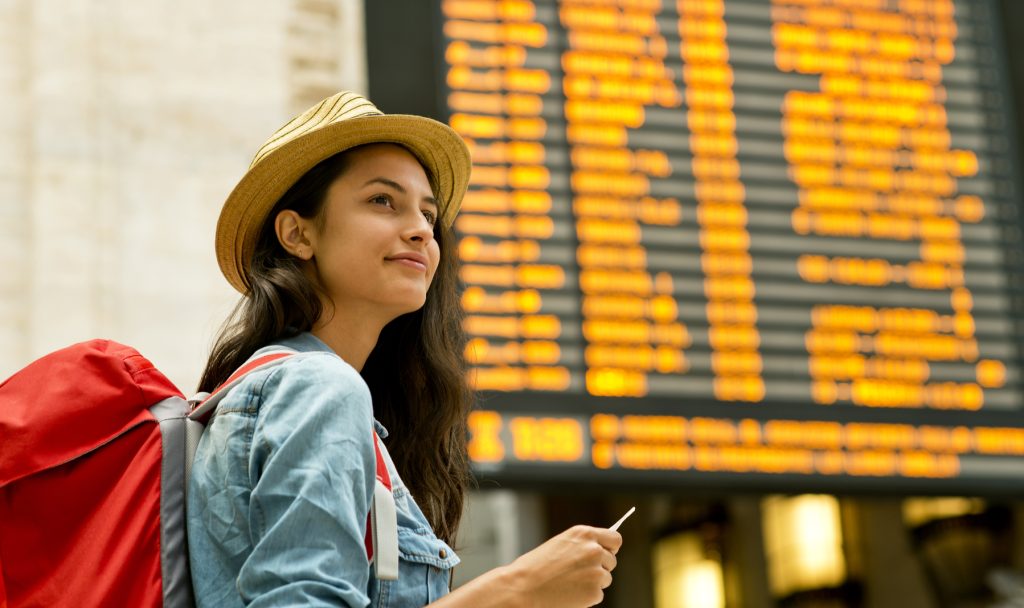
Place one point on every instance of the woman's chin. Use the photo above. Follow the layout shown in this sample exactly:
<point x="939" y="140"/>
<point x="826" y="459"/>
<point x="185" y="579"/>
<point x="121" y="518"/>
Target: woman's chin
<point x="403" y="306"/>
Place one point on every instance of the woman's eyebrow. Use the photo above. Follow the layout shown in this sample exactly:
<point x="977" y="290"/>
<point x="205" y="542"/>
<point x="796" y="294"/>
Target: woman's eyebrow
<point x="393" y="184"/>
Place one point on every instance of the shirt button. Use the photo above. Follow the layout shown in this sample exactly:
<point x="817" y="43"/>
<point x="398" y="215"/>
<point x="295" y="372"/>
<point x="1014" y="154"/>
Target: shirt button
<point x="442" y="554"/>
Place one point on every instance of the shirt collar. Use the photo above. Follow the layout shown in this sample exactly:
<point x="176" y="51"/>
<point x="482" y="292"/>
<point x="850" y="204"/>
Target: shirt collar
<point x="306" y="342"/>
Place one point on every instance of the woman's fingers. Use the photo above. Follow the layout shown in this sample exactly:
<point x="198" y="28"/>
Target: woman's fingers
<point x="608" y="561"/>
<point x="608" y="539"/>
<point x="570" y="570"/>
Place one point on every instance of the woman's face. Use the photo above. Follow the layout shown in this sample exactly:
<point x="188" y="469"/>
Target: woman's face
<point x="374" y="248"/>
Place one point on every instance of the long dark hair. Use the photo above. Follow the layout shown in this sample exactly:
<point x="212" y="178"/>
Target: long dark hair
<point x="416" y="372"/>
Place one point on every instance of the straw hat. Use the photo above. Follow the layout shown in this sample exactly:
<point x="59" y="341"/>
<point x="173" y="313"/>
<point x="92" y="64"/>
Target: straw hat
<point x="334" y="125"/>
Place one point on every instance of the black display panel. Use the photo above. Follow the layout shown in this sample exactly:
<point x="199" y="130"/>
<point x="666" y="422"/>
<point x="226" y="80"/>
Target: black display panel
<point x="761" y="243"/>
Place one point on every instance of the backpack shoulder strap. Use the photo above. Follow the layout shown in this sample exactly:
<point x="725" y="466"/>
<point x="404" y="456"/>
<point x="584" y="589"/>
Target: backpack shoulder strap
<point x="206" y="403"/>
<point x="382" y="522"/>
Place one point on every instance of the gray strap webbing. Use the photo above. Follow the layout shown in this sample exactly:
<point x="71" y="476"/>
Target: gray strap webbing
<point x="177" y="581"/>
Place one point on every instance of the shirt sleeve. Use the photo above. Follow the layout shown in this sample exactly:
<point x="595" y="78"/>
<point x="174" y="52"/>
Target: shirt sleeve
<point x="312" y="471"/>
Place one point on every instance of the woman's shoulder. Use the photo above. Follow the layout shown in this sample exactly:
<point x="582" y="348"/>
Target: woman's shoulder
<point x="315" y="379"/>
<point x="320" y="372"/>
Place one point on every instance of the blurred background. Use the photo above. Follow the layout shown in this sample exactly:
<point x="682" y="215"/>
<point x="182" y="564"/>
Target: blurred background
<point x="752" y="266"/>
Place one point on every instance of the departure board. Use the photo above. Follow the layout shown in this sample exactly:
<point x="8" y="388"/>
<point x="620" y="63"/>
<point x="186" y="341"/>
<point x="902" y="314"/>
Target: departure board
<point x="752" y="242"/>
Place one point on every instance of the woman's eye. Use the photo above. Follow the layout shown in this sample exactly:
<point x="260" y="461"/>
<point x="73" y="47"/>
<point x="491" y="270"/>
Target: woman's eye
<point x="431" y="218"/>
<point x="381" y="199"/>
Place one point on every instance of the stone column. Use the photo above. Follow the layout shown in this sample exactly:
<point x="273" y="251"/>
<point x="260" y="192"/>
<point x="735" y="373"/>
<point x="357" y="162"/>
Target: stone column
<point x="15" y="197"/>
<point x="66" y="234"/>
<point x="123" y="127"/>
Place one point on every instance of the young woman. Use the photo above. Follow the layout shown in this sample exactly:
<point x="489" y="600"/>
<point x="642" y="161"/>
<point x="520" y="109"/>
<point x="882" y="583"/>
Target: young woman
<point x="339" y="239"/>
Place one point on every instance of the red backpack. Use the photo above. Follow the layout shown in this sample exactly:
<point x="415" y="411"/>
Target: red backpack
<point x="95" y="450"/>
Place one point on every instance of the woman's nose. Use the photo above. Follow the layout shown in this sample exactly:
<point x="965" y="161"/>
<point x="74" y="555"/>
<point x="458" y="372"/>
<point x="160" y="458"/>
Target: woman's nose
<point x="419" y="229"/>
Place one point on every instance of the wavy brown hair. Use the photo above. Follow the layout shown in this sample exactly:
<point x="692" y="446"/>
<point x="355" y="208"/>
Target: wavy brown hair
<point x="416" y="372"/>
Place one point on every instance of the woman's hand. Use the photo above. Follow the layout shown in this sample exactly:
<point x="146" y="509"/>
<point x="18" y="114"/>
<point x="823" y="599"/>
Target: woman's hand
<point x="570" y="570"/>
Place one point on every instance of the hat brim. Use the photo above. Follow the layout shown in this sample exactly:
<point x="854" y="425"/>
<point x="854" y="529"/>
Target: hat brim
<point x="436" y="145"/>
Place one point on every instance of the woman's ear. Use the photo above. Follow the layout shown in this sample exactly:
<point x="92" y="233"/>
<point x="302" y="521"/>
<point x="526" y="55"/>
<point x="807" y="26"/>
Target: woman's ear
<point x="294" y="232"/>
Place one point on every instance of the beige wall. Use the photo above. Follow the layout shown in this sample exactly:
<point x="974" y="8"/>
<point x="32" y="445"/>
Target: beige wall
<point x="123" y="126"/>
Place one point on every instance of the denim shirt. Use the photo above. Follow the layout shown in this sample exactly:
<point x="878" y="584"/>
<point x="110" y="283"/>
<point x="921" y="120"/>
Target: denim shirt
<point x="280" y="492"/>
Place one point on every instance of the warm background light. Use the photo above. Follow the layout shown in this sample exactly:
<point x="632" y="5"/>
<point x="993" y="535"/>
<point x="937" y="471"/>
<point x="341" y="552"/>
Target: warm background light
<point x="685" y="576"/>
<point x="804" y="543"/>
<point x="919" y="511"/>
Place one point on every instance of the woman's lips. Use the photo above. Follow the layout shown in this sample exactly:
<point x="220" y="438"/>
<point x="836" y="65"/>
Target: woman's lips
<point x="410" y="261"/>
